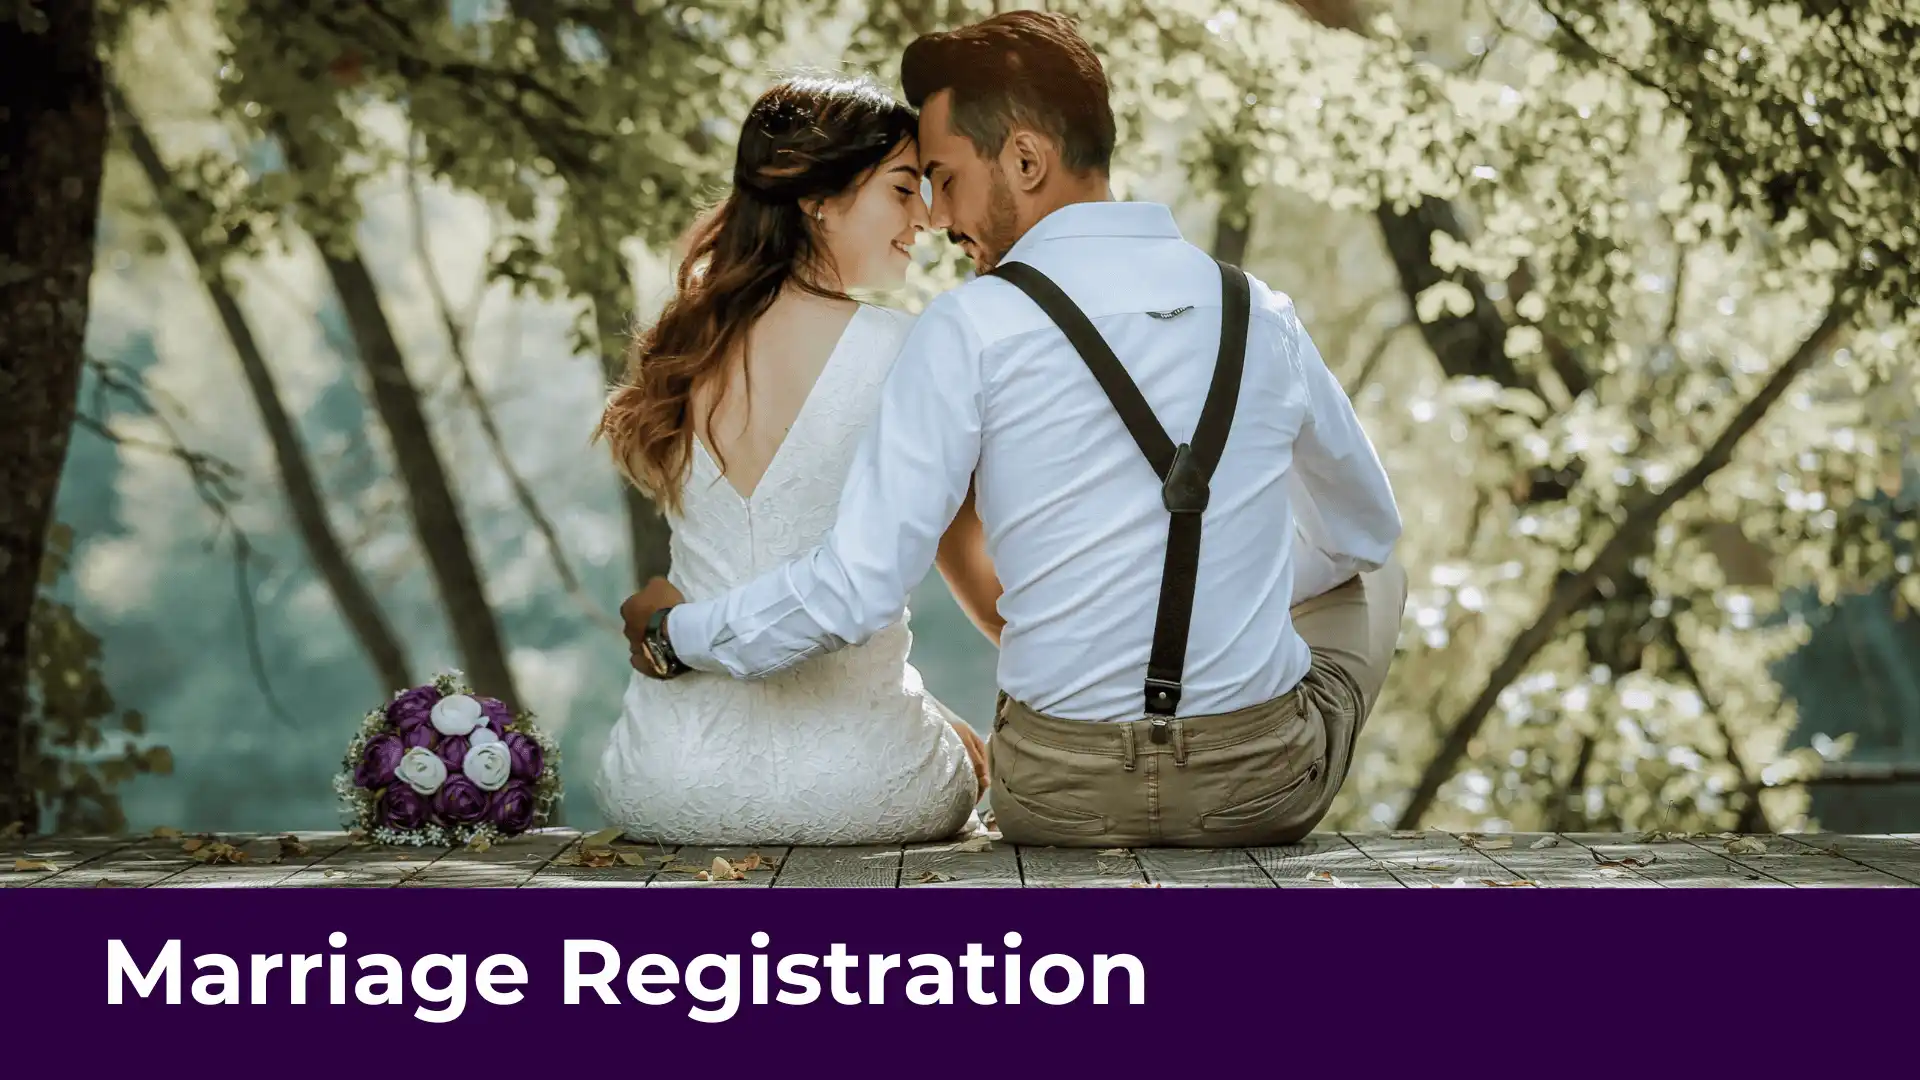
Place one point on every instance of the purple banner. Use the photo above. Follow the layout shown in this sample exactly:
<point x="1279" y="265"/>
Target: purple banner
<point x="1557" y="981"/>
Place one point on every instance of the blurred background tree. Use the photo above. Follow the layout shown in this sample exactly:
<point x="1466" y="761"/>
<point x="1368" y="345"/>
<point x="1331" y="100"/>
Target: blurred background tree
<point x="1622" y="291"/>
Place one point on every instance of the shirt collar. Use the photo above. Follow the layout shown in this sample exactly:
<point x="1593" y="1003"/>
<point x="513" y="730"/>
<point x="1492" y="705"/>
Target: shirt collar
<point x="1106" y="218"/>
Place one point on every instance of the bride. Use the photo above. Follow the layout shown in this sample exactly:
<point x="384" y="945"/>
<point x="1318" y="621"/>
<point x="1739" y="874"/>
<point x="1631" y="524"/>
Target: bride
<point x="739" y="416"/>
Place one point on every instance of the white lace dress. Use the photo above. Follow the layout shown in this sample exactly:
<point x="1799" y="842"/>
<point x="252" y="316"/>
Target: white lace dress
<point x="845" y="748"/>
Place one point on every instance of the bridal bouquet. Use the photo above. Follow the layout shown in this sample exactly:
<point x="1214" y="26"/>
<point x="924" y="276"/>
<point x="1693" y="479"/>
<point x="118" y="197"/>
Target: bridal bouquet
<point x="438" y="765"/>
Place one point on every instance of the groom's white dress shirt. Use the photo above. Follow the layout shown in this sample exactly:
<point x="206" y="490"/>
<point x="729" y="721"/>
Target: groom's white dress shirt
<point x="986" y="385"/>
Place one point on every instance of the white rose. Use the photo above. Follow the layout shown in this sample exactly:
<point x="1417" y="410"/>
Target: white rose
<point x="481" y="736"/>
<point x="456" y="714"/>
<point x="422" y="770"/>
<point x="487" y="764"/>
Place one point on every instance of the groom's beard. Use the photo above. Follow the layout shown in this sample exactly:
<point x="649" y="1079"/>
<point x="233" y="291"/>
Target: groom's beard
<point x="1002" y="226"/>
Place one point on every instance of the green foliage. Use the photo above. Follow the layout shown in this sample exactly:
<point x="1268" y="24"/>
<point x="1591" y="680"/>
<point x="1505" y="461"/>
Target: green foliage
<point x="82" y="745"/>
<point x="1666" y="196"/>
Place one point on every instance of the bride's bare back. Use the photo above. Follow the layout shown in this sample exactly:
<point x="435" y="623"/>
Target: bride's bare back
<point x="764" y="390"/>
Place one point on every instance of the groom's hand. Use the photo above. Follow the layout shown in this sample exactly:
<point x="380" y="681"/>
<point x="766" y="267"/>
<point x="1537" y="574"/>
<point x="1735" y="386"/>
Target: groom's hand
<point x="640" y="607"/>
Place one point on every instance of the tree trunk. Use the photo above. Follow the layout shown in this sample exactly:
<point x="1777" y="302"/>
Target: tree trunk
<point x="53" y="136"/>
<point x="430" y="499"/>
<point x="304" y="500"/>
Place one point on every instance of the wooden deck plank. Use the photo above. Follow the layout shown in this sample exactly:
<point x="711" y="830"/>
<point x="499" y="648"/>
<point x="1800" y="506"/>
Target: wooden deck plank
<point x="865" y="867"/>
<point x="271" y="860"/>
<point x="1080" y="868"/>
<point x="135" y="866"/>
<point x="1202" y="868"/>
<point x="506" y="864"/>
<point x="1551" y="861"/>
<point x="682" y="870"/>
<point x="1799" y="865"/>
<point x="63" y="853"/>
<point x="366" y="866"/>
<point x="549" y="859"/>
<point x="1431" y="859"/>
<point x="635" y="867"/>
<point x="1894" y="856"/>
<point x="1673" y="865"/>
<point x="1323" y="861"/>
<point x="948" y="865"/>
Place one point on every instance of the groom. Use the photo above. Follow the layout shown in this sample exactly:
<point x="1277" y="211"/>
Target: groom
<point x="1164" y="467"/>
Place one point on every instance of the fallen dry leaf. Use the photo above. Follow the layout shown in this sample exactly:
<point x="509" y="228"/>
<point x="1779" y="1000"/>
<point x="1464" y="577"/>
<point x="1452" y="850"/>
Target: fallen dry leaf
<point x="358" y="837"/>
<point x="329" y="873"/>
<point x="1630" y="862"/>
<point x="722" y="870"/>
<point x="596" y="857"/>
<point x="1425" y="868"/>
<point x="1508" y="884"/>
<point x="932" y="876"/>
<point x="700" y="875"/>
<point x="1544" y="843"/>
<point x="1498" y="843"/>
<point x="31" y="865"/>
<point x="633" y="858"/>
<point x="1407" y="834"/>
<point x="751" y="862"/>
<point x="1747" y="845"/>
<point x="975" y="845"/>
<point x="1324" y="877"/>
<point x="218" y="852"/>
<point x="602" y="839"/>
<point x="165" y="832"/>
<point x="1660" y="836"/>
<point x="192" y="844"/>
<point x="293" y="845"/>
<point x="1114" y="852"/>
<point x="479" y="843"/>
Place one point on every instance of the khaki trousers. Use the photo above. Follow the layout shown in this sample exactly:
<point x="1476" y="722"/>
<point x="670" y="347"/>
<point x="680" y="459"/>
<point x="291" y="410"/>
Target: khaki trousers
<point x="1265" y="774"/>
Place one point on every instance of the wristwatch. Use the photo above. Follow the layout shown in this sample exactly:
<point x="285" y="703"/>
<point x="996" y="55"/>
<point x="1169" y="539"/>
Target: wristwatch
<point x="665" y="662"/>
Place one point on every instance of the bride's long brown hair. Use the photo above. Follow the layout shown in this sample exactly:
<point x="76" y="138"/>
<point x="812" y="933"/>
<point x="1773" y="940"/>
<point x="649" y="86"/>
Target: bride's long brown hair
<point x="806" y="139"/>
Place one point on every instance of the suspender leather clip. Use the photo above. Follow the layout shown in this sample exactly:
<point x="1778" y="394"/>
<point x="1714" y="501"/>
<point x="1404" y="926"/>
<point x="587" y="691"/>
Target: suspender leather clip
<point x="1185" y="490"/>
<point x="1163" y="697"/>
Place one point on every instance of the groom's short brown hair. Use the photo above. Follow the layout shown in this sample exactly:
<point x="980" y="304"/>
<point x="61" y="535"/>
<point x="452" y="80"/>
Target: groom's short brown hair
<point x="1018" y="69"/>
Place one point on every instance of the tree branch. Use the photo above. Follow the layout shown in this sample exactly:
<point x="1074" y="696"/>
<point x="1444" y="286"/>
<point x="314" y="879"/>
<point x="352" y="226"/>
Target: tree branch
<point x="458" y="337"/>
<point x="1572" y="591"/>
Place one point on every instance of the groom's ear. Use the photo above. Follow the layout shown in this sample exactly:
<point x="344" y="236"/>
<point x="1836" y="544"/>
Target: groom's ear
<point x="1030" y="159"/>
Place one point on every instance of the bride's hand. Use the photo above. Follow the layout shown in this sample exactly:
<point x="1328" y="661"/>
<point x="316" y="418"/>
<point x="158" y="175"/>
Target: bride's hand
<point x="640" y="607"/>
<point x="977" y="751"/>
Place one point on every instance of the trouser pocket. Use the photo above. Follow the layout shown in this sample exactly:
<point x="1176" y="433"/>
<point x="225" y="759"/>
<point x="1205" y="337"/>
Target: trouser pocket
<point x="1044" y="794"/>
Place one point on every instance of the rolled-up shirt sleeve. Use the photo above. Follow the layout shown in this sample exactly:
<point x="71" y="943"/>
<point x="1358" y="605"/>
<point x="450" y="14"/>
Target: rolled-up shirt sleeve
<point x="908" y="478"/>
<point x="1349" y="517"/>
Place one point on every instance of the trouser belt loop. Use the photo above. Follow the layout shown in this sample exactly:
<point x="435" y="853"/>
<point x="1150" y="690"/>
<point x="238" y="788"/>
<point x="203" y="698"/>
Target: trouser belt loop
<point x="1179" y="742"/>
<point x="1127" y="746"/>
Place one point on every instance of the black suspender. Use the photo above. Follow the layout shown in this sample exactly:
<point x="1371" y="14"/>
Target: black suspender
<point x="1185" y="470"/>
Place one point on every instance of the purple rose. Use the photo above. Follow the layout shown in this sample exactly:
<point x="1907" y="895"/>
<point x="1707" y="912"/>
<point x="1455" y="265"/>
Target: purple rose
<point x="401" y="807"/>
<point x="511" y="808"/>
<point x="377" y="761"/>
<point x="413" y="708"/>
<point x="459" y="801"/>
<point x="453" y="751"/>
<point x="497" y="714"/>
<point x="419" y="735"/>
<point x="527" y="757"/>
